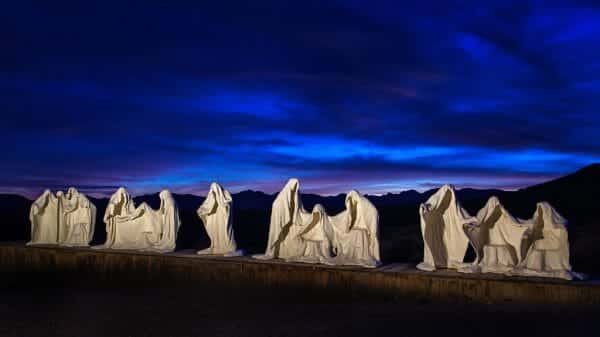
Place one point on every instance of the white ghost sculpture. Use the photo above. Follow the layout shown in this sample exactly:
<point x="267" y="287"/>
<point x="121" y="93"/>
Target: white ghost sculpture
<point x="63" y="219"/>
<point x="216" y="212"/>
<point x="43" y="216"/>
<point x="548" y="255"/>
<point x="162" y="225"/>
<point x="141" y="228"/>
<point x="77" y="219"/>
<point x="317" y="235"/>
<point x="500" y="240"/>
<point x="287" y="217"/>
<point x="444" y="239"/>
<point x="120" y="205"/>
<point x="356" y="233"/>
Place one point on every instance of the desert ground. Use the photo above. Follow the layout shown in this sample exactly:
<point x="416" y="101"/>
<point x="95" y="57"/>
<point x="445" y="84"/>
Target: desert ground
<point x="38" y="307"/>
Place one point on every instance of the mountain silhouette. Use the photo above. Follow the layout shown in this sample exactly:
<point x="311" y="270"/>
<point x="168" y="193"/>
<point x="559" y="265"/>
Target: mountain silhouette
<point x="572" y="195"/>
<point x="15" y="214"/>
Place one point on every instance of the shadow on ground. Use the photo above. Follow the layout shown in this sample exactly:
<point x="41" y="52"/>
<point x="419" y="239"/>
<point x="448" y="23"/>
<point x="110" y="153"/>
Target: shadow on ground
<point x="44" y="307"/>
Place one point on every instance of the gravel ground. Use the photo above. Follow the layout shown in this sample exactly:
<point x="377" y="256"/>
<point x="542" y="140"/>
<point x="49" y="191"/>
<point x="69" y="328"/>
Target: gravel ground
<point x="79" y="310"/>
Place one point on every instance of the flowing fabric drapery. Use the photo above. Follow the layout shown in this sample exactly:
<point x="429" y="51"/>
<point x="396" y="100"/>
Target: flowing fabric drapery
<point x="141" y="228"/>
<point x="498" y="238"/>
<point x="77" y="219"/>
<point x="287" y="217"/>
<point x="356" y="232"/>
<point x="161" y="226"/>
<point x="120" y="206"/>
<point x="317" y="236"/>
<point x="216" y="213"/>
<point x="442" y="227"/>
<point x="548" y="255"/>
<point x="43" y="216"/>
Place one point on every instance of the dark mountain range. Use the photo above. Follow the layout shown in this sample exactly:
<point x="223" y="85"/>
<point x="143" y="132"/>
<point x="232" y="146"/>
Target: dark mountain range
<point x="15" y="212"/>
<point x="572" y="195"/>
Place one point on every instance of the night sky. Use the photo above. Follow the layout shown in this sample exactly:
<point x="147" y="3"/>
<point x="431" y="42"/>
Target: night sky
<point x="378" y="96"/>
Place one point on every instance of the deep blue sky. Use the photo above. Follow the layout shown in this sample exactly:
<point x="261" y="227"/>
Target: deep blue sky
<point x="378" y="96"/>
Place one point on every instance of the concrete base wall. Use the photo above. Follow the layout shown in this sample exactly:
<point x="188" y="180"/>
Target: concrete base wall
<point x="389" y="280"/>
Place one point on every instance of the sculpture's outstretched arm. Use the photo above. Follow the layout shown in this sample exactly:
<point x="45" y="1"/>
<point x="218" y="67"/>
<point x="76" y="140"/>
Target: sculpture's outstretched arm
<point x="138" y="212"/>
<point x="283" y="234"/>
<point x="70" y="208"/>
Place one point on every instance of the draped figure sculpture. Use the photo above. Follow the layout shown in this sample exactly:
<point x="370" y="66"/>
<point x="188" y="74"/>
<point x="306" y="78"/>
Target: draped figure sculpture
<point x="216" y="212"/>
<point x="77" y="219"/>
<point x="63" y="219"/>
<point x="161" y="226"/>
<point x="120" y="205"/>
<point x="499" y="240"/>
<point x="287" y="217"/>
<point x="141" y="228"/>
<point x="548" y="255"/>
<point x="317" y="235"/>
<point x="43" y="216"/>
<point x="444" y="239"/>
<point x="356" y="232"/>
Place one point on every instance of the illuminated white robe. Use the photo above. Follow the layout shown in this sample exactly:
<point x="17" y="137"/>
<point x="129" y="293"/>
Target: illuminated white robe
<point x="161" y="226"/>
<point x="442" y="227"/>
<point x="120" y="206"/>
<point x="43" y="216"/>
<point x="500" y="240"/>
<point x="317" y="235"/>
<point x="216" y="212"/>
<point x="147" y="229"/>
<point x="287" y="217"/>
<point x="77" y="219"/>
<point x="548" y="255"/>
<point x="356" y="233"/>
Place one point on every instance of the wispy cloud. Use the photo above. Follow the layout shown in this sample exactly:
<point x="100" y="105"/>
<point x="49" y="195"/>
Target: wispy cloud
<point x="346" y="94"/>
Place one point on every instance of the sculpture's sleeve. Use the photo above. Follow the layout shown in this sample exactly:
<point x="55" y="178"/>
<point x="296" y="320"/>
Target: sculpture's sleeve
<point x="208" y="206"/>
<point x="228" y="200"/>
<point x="70" y="207"/>
<point x="138" y="212"/>
<point x="514" y="234"/>
<point x="552" y="239"/>
<point x="475" y="234"/>
<point x="173" y="221"/>
<point x="92" y="229"/>
<point x="110" y="209"/>
<point x="35" y="209"/>
<point x="374" y="235"/>
<point x="38" y="205"/>
<point x="305" y="218"/>
<point x="338" y="225"/>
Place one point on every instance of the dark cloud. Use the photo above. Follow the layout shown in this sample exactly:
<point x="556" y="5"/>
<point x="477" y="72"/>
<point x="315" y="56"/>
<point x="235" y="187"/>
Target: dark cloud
<point x="383" y="95"/>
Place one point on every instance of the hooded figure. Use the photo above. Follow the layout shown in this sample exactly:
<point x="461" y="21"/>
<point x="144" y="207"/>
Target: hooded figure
<point x="119" y="205"/>
<point x="148" y="229"/>
<point x="444" y="239"/>
<point x="498" y="238"/>
<point x="356" y="232"/>
<point x="548" y="255"/>
<point x="43" y="216"/>
<point x="217" y="215"/>
<point x="161" y="226"/>
<point x="287" y="217"/>
<point x="77" y="220"/>
<point x="316" y="235"/>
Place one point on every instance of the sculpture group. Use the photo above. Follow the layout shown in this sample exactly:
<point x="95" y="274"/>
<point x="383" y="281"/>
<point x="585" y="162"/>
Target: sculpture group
<point x="65" y="219"/>
<point x="141" y="228"/>
<point x="348" y="238"/>
<point x="502" y="243"/>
